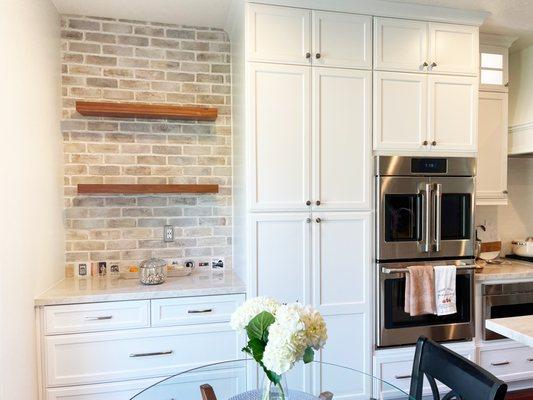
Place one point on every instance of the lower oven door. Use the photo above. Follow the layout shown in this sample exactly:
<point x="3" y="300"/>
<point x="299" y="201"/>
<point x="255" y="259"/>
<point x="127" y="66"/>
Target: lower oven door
<point x="396" y="327"/>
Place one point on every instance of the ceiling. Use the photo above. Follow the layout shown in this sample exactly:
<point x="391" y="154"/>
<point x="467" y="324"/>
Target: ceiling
<point x="508" y="17"/>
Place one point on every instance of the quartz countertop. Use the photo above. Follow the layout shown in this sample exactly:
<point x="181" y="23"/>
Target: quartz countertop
<point x="98" y="289"/>
<point x="515" y="270"/>
<point x="516" y="328"/>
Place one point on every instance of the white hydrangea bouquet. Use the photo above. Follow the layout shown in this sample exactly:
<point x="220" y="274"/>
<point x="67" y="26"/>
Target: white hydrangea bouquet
<point x="279" y="335"/>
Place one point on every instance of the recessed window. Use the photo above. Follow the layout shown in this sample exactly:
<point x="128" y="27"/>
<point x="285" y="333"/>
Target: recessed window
<point x="491" y="69"/>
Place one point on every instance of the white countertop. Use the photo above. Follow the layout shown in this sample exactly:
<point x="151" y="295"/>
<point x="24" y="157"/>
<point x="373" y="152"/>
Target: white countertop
<point x="95" y="289"/>
<point x="517" y="270"/>
<point x="516" y="328"/>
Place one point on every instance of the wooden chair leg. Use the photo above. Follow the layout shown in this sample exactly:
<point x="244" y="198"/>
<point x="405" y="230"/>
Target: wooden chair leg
<point x="207" y="392"/>
<point x="326" y="396"/>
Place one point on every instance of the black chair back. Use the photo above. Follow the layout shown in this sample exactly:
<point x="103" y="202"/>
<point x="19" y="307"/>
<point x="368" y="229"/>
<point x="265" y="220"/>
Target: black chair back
<point x="466" y="380"/>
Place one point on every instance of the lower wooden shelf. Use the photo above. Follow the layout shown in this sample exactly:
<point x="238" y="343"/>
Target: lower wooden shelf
<point x="144" y="189"/>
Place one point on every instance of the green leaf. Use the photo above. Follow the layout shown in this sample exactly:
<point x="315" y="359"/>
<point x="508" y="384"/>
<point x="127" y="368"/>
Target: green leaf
<point x="273" y="377"/>
<point x="257" y="328"/>
<point x="309" y="355"/>
<point x="257" y="348"/>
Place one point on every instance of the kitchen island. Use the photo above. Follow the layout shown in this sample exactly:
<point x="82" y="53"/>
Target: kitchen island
<point x="519" y="329"/>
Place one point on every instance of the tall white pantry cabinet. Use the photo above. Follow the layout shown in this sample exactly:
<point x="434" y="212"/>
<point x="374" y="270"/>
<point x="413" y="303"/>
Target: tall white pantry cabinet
<point x="303" y="139"/>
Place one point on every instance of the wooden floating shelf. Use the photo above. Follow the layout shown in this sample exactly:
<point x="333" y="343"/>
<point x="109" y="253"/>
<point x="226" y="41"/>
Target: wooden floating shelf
<point x="142" y="110"/>
<point x="144" y="189"/>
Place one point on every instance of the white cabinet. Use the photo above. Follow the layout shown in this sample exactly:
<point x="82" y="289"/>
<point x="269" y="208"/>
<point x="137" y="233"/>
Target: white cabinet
<point x="342" y="40"/>
<point x="425" y="113"/>
<point x="400" y="111"/>
<point x="298" y="36"/>
<point x="426" y="47"/>
<point x="491" y="188"/>
<point x="452" y="115"/>
<point x="400" y="44"/>
<point x="342" y="149"/>
<point x="280" y="254"/>
<point x="508" y="361"/>
<point x="278" y="34"/>
<point x="279" y="129"/>
<point x="453" y="49"/>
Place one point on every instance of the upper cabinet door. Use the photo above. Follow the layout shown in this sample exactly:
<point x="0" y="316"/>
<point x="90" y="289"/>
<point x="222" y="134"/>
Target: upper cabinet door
<point x="453" y="110"/>
<point x="342" y="149"/>
<point x="400" y="45"/>
<point x="279" y="137"/>
<point x="400" y="111"/>
<point x="342" y="40"/>
<point x="453" y="49"/>
<point x="492" y="149"/>
<point x="278" y="34"/>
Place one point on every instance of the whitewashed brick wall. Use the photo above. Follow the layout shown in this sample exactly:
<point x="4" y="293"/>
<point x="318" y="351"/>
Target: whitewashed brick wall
<point x="133" y="61"/>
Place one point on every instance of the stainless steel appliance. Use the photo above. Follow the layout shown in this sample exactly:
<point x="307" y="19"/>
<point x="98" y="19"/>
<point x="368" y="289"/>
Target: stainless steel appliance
<point x="504" y="300"/>
<point x="424" y="215"/>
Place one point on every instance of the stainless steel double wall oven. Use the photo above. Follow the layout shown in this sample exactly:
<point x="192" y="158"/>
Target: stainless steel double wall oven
<point x="424" y="215"/>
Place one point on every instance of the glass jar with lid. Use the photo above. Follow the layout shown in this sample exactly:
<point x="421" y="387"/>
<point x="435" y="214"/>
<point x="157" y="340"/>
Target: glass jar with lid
<point x="153" y="271"/>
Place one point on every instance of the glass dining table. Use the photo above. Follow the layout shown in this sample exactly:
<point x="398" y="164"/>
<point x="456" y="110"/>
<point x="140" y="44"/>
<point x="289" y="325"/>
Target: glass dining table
<point x="243" y="380"/>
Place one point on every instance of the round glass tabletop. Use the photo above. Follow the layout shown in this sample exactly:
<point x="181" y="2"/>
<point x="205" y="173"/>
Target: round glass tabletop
<point x="243" y="380"/>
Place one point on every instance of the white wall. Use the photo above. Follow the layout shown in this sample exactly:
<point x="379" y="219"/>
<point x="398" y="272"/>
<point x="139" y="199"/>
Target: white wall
<point x="31" y="202"/>
<point x="515" y="220"/>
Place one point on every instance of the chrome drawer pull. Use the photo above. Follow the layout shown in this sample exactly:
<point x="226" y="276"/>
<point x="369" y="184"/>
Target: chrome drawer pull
<point x="101" y="318"/>
<point x="157" y="353"/>
<point x="207" y="310"/>
<point x="402" y="376"/>
<point x="500" y="363"/>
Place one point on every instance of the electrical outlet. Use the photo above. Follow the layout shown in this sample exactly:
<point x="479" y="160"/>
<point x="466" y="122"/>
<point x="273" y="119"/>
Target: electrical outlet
<point x="217" y="263"/>
<point x="168" y="233"/>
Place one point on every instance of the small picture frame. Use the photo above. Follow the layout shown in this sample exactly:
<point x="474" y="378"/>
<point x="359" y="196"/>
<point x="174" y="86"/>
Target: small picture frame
<point x="102" y="268"/>
<point x="82" y="270"/>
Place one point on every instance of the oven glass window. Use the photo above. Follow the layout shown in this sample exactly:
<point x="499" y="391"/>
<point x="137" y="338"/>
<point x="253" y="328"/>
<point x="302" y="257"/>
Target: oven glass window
<point x="456" y="216"/>
<point x="396" y="317"/>
<point x="402" y="217"/>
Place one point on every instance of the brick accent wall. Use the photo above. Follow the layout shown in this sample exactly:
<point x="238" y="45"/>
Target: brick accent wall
<point x="132" y="61"/>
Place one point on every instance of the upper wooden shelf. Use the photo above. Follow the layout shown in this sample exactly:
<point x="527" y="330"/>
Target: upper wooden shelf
<point x="144" y="189"/>
<point x="142" y="110"/>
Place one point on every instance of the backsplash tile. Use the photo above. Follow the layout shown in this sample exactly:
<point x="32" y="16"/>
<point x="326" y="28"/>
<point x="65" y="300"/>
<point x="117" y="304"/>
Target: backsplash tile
<point x="118" y="60"/>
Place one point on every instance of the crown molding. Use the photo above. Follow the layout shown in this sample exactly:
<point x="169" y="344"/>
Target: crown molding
<point x="387" y="8"/>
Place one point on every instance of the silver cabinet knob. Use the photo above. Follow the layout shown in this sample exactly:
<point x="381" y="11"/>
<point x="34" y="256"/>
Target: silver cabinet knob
<point x="307" y="55"/>
<point x="318" y="55"/>
<point x="425" y="64"/>
<point x="433" y="64"/>
<point x="318" y="220"/>
<point x="318" y="202"/>
<point x="308" y="203"/>
<point x="308" y="220"/>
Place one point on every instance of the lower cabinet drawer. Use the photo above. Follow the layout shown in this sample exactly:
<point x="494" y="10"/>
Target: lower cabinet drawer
<point x="508" y="364"/>
<point x="225" y="382"/>
<point x="95" y="317"/>
<point x="194" y="310"/>
<point x="134" y="354"/>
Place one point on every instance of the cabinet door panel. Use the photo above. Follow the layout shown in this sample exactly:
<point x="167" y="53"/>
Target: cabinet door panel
<point x="342" y="40"/>
<point x="492" y="149"/>
<point x="454" y="48"/>
<point x="342" y="138"/>
<point x="278" y="34"/>
<point x="400" y="45"/>
<point x="400" y="111"/>
<point x="279" y="136"/>
<point x="453" y="103"/>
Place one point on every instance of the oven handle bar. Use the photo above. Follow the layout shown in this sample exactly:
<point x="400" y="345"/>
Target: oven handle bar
<point x="405" y="270"/>
<point x="438" y="215"/>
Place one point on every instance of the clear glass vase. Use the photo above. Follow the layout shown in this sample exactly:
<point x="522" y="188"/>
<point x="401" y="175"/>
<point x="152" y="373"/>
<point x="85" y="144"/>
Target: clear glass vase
<point x="271" y="391"/>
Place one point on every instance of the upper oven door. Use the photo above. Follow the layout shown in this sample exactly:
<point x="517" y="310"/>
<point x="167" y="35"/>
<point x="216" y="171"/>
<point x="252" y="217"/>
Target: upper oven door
<point x="402" y="215"/>
<point x="452" y="219"/>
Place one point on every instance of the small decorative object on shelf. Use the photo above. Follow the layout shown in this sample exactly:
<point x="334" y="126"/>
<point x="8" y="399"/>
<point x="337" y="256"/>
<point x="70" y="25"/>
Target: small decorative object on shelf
<point x="153" y="271"/>
<point x="279" y="335"/>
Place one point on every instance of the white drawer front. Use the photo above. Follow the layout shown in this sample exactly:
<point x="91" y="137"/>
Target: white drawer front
<point x="226" y="383"/>
<point x="134" y="354"/>
<point x="397" y="373"/>
<point x="94" y="317"/>
<point x="194" y="310"/>
<point x="508" y="364"/>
